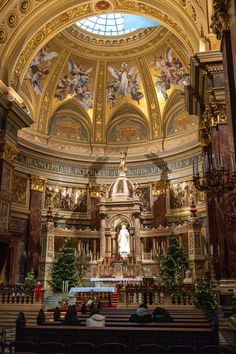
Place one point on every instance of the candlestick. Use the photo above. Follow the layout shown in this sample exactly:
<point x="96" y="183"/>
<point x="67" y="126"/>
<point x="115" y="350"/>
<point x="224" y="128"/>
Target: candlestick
<point x="211" y="250"/>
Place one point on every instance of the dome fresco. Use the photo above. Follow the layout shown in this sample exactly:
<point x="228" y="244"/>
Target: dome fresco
<point x="121" y="97"/>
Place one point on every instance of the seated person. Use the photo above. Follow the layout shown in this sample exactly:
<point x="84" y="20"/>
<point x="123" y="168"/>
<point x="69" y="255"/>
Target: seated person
<point x="70" y="317"/>
<point x="83" y="308"/>
<point x="95" y="319"/>
<point x="161" y="315"/>
<point x="142" y="315"/>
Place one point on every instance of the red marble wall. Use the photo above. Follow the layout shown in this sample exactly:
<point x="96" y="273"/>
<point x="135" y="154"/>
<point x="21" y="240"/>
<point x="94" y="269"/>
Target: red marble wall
<point x="95" y="219"/>
<point x="159" y="211"/>
<point x="34" y="231"/>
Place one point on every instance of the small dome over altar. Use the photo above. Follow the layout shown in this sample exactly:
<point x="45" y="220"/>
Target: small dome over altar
<point x="122" y="188"/>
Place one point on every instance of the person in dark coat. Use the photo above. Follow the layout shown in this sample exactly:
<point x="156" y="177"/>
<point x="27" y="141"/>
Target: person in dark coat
<point x="161" y="315"/>
<point x="142" y="315"/>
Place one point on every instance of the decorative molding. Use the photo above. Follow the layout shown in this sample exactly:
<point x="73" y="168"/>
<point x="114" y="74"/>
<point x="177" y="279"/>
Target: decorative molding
<point x="152" y="101"/>
<point x="99" y="105"/>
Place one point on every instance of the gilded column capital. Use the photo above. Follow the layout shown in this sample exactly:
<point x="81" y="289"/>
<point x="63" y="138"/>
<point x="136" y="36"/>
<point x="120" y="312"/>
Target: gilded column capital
<point x="219" y="114"/>
<point x="37" y="183"/>
<point x="8" y="153"/>
<point x="214" y="114"/>
<point x="159" y="188"/>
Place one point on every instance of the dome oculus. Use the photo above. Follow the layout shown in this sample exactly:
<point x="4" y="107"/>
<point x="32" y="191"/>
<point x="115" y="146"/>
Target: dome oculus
<point x="115" y="24"/>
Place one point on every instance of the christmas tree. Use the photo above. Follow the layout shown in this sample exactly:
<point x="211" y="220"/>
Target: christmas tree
<point x="173" y="262"/>
<point x="64" y="268"/>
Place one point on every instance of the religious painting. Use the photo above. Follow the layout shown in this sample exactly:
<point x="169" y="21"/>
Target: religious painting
<point x="183" y="193"/>
<point x="39" y="68"/>
<point x="169" y="71"/>
<point x="69" y="128"/>
<point x="76" y="82"/>
<point x="66" y="198"/>
<point x="19" y="190"/>
<point x="128" y="131"/>
<point x="125" y="82"/>
<point x="180" y="123"/>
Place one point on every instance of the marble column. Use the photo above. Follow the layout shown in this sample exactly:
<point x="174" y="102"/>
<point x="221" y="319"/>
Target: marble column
<point x="36" y="202"/>
<point x="136" y="216"/>
<point x="12" y="119"/>
<point x="103" y="235"/>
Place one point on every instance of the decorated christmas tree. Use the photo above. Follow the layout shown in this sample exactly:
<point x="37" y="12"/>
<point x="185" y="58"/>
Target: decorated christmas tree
<point x="64" y="268"/>
<point x="173" y="262"/>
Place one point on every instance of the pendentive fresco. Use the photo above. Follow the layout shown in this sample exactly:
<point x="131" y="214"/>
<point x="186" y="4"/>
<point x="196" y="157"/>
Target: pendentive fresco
<point x="76" y="82"/>
<point x="128" y="130"/>
<point x="67" y="127"/>
<point x="39" y="68"/>
<point x="169" y="71"/>
<point x="125" y="82"/>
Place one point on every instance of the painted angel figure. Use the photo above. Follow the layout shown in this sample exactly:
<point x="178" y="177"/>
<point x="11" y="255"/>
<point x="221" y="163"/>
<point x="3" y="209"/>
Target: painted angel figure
<point x="122" y="82"/>
<point x="37" y="71"/>
<point x="171" y="72"/>
<point x="79" y="76"/>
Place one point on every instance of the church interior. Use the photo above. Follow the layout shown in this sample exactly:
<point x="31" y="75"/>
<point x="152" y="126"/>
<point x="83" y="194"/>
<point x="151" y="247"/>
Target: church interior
<point x="117" y="142"/>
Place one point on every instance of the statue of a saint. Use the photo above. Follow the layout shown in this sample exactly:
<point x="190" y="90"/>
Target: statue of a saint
<point x="122" y="167"/>
<point x="124" y="242"/>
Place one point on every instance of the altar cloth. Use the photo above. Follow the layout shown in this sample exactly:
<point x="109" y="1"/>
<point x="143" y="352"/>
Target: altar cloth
<point x="118" y="279"/>
<point x="98" y="289"/>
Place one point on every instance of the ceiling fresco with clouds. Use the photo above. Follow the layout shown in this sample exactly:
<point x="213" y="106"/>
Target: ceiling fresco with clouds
<point x="101" y="88"/>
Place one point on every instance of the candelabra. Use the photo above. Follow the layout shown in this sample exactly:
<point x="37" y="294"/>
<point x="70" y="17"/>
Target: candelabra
<point x="214" y="180"/>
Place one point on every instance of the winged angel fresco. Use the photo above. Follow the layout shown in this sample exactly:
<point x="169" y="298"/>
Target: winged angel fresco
<point x="124" y="82"/>
<point x="170" y="71"/>
<point x="39" y="68"/>
<point x="75" y="83"/>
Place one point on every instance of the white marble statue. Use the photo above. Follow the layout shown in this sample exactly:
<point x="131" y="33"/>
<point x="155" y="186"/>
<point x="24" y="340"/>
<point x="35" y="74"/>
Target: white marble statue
<point x="124" y="242"/>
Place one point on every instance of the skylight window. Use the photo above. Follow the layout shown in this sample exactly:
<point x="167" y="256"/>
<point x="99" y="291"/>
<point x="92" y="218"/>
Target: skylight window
<point x="115" y="24"/>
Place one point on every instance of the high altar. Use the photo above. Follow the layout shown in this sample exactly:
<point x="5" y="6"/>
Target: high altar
<point x="121" y="204"/>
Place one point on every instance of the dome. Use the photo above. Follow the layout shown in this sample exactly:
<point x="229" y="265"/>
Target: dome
<point x="121" y="189"/>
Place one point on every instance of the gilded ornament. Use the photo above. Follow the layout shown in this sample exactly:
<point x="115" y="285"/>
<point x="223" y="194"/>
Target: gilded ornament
<point x="3" y="35"/>
<point x="25" y="6"/>
<point x="220" y="17"/>
<point x="205" y="127"/>
<point x="37" y="183"/>
<point x="12" y="20"/>
<point x="159" y="188"/>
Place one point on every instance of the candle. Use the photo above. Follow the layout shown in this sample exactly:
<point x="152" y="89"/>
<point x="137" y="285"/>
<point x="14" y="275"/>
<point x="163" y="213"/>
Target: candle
<point x="233" y="163"/>
<point x="211" y="250"/>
